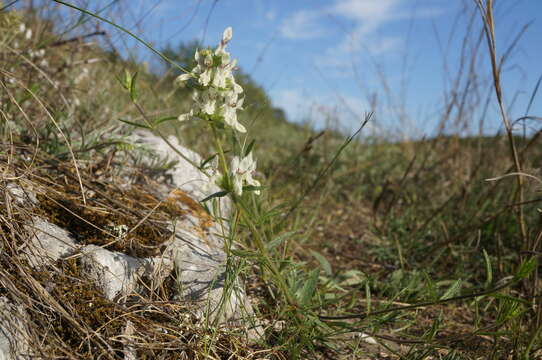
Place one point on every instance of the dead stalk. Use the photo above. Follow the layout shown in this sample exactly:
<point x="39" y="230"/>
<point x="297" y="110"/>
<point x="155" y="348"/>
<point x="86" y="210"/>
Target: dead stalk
<point x="486" y="12"/>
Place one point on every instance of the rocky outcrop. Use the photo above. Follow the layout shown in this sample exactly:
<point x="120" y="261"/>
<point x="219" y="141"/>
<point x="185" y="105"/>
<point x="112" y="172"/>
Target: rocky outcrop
<point x="193" y="254"/>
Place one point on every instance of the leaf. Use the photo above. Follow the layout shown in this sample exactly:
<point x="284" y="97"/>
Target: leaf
<point x="353" y="278"/>
<point x="511" y="298"/>
<point x="136" y="124"/>
<point x="489" y="270"/>
<point x="210" y="158"/>
<point x="133" y="90"/>
<point x="243" y="253"/>
<point x="309" y="287"/>
<point x="368" y="296"/>
<point x="279" y="240"/>
<point x="452" y="290"/>
<point x="249" y="147"/>
<point x="34" y="88"/>
<point x="127" y="80"/>
<point x="526" y="268"/>
<point x="323" y="262"/>
<point x="218" y="194"/>
<point x="164" y="119"/>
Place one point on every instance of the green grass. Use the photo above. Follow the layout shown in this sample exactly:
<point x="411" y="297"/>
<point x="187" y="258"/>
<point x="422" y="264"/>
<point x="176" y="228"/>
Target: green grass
<point x="405" y="241"/>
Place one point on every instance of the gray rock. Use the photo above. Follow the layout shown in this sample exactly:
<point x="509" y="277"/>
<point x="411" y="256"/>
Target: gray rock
<point x="183" y="175"/>
<point x="198" y="253"/>
<point x="118" y="275"/>
<point x="48" y="243"/>
<point x="20" y="195"/>
<point x="13" y="333"/>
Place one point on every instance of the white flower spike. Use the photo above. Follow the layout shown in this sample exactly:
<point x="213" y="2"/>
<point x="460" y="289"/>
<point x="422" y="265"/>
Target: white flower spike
<point x="218" y="95"/>
<point x="242" y="171"/>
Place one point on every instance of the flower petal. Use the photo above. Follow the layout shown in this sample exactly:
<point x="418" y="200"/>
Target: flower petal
<point x="228" y="34"/>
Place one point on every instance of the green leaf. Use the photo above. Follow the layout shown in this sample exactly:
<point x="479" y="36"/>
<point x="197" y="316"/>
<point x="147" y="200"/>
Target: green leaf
<point x="452" y="290"/>
<point x="133" y="90"/>
<point x="249" y="147"/>
<point x="243" y="253"/>
<point x="164" y="119"/>
<point x="511" y="298"/>
<point x="34" y="88"/>
<point x="136" y="124"/>
<point x="352" y="278"/>
<point x="279" y="240"/>
<point x="127" y="80"/>
<point x="526" y="268"/>
<point x="340" y="324"/>
<point x="218" y="194"/>
<point x="206" y="161"/>
<point x="309" y="287"/>
<point x="323" y="262"/>
<point x="489" y="270"/>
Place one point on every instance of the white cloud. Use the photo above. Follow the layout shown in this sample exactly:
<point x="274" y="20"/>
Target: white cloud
<point x="367" y="16"/>
<point x="304" y="24"/>
<point x="270" y="15"/>
<point x="368" y="10"/>
<point x="322" y="110"/>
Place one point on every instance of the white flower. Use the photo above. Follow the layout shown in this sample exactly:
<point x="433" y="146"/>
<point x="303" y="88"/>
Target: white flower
<point x="185" y="117"/>
<point x="227" y="35"/>
<point x="242" y="171"/>
<point x="229" y="111"/>
<point x="205" y="77"/>
<point x="220" y="78"/>
<point x="181" y="79"/>
<point x="221" y="48"/>
<point x="208" y="102"/>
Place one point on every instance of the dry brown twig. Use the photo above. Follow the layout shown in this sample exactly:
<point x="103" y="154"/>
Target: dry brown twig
<point x="486" y="11"/>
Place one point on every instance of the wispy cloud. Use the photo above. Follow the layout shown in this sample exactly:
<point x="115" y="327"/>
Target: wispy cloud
<point x="270" y="15"/>
<point x="304" y="24"/>
<point x="323" y="110"/>
<point x="366" y="16"/>
<point x="374" y="11"/>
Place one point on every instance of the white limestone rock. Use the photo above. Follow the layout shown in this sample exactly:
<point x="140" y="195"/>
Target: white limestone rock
<point x="183" y="175"/>
<point x="118" y="275"/>
<point x="48" y="243"/>
<point x="197" y="251"/>
<point x="20" y="195"/>
<point x="13" y="332"/>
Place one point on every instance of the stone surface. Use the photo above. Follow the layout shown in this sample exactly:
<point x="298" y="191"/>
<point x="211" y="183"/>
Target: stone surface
<point x="48" y="243"/>
<point x="118" y="275"/>
<point x="183" y="175"/>
<point x="21" y="196"/>
<point x="198" y="246"/>
<point x="13" y="332"/>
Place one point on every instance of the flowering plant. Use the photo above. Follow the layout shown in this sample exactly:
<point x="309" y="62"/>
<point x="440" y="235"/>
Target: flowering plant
<point x="217" y="99"/>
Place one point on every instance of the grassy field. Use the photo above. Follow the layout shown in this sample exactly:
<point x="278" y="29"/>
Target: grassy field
<point x="356" y="248"/>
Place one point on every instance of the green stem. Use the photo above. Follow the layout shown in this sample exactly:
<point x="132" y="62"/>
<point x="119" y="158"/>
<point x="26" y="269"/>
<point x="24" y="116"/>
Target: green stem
<point x="220" y="151"/>
<point x="266" y="257"/>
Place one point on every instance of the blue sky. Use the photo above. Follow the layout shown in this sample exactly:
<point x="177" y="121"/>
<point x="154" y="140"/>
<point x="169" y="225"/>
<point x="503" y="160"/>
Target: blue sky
<point x="332" y="59"/>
